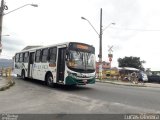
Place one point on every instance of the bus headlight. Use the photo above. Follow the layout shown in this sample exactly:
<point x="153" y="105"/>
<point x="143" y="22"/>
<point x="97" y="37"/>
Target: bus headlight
<point x="72" y="74"/>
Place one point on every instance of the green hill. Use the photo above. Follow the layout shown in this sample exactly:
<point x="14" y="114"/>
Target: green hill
<point x="6" y="63"/>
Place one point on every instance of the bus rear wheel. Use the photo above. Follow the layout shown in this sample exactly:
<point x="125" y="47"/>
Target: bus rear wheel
<point x="23" y="75"/>
<point x="49" y="80"/>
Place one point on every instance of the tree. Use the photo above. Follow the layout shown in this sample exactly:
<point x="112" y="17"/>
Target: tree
<point x="134" y="62"/>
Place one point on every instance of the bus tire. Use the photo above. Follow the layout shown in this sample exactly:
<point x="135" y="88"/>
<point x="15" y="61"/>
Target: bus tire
<point x="18" y="75"/>
<point x="49" y="80"/>
<point x="23" y="75"/>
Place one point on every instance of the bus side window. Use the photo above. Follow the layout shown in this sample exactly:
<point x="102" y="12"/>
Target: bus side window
<point x="38" y="56"/>
<point x="52" y="55"/>
<point x="44" y="55"/>
<point x="26" y="57"/>
<point x="21" y="57"/>
<point x="17" y="57"/>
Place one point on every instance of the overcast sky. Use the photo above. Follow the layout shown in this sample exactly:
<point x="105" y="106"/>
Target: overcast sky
<point x="136" y="33"/>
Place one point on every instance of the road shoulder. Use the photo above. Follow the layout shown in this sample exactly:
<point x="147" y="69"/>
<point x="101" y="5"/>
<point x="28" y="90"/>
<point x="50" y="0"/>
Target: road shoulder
<point x="5" y="83"/>
<point x="118" y="82"/>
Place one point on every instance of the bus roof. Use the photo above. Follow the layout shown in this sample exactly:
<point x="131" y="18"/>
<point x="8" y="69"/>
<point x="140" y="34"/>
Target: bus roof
<point x="33" y="48"/>
<point x="30" y="47"/>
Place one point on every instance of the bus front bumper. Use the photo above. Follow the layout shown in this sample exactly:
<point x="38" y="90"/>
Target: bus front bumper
<point x="73" y="81"/>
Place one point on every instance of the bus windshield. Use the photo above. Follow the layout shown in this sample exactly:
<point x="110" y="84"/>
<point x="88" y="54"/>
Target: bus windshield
<point x="81" y="61"/>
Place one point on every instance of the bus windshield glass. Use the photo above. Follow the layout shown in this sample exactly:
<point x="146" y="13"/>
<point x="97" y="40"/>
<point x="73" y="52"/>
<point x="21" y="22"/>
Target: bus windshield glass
<point x="81" y="61"/>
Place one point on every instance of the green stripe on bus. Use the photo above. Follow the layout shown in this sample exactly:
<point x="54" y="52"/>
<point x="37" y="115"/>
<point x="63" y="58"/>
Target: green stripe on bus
<point x="72" y="81"/>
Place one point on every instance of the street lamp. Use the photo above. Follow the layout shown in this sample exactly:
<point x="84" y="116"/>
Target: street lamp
<point x="5" y="35"/>
<point x="34" y="5"/>
<point x="4" y="7"/>
<point x="100" y="40"/>
<point x="108" y="26"/>
<point x="90" y="24"/>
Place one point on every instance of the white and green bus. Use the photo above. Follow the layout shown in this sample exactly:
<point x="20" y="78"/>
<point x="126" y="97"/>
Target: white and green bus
<point x="70" y="63"/>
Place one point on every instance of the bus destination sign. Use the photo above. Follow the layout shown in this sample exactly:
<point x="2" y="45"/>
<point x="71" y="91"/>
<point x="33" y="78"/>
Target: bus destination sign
<point x="80" y="46"/>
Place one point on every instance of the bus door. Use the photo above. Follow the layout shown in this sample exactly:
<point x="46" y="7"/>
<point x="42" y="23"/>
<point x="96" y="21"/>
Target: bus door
<point x="61" y="64"/>
<point x="30" y="65"/>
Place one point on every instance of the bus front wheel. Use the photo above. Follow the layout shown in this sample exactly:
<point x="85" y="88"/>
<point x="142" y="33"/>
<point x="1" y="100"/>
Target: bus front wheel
<point x="49" y="80"/>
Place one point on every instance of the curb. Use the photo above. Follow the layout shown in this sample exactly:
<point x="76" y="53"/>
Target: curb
<point x="133" y="85"/>
<point x="8" y="85"/>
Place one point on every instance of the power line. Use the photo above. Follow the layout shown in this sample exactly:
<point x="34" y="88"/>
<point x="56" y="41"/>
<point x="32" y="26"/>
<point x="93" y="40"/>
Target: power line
<point x="152" y="30"/>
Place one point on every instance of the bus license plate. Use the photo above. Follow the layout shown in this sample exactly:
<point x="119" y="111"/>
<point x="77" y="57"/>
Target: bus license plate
<point x="84" y="81"/>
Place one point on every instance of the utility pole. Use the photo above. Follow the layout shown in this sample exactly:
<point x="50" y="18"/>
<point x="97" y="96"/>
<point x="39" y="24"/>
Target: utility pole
<point x="100" y="46"/>
<point x="1" y="19"/>
<point x="100" y="41"/>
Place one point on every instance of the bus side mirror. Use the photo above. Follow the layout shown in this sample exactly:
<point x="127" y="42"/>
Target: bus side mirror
<point x="66" y="58"/>
<point x="67" y="55"/>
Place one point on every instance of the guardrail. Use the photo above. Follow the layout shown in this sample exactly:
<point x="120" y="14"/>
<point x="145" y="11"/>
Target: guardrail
<point x="5" y="72"/>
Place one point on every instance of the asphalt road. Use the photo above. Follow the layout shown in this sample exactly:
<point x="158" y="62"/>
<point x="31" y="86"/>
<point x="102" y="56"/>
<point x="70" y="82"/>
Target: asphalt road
<point x="30" y="96"/>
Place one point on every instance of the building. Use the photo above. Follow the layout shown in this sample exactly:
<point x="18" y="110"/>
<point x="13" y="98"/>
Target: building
<point x="105" y="67"/>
